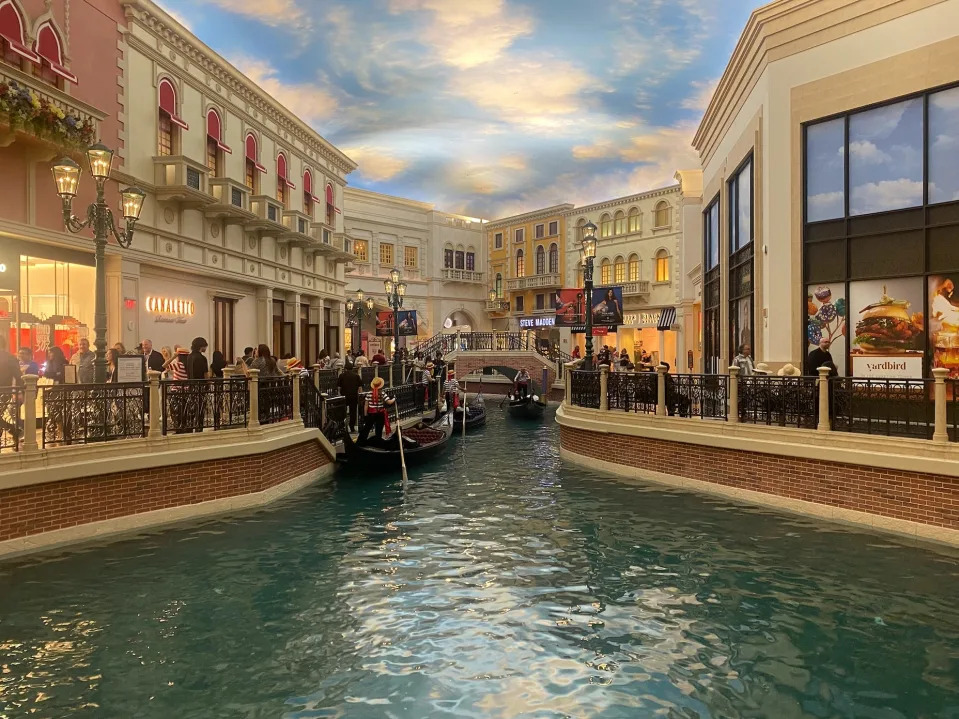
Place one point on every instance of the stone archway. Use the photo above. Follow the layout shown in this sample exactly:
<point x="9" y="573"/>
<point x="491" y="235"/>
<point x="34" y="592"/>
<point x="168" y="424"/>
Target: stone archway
<point x="459" y="320"/>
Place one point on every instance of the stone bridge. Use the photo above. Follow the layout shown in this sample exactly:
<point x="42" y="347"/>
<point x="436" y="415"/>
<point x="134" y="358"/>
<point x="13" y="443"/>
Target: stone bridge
<point x="468" y="362"/>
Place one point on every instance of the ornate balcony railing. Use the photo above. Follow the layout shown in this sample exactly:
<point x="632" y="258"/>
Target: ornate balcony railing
<point x="532" y="282"/>
<point x="452" y="275"/>
<point x="632" y="391"/>
<point x="783" y="401"/>
<point x="11" y="422"/>
<point x="892" y="407"/>
<point x="275" y="399"/>
<point x="697" y="395"/>
<point x="497" y="305"/>
<point x="585" y="389"/>
<point x="637" y="287"/>
<point x="84" y="413"/>
<point x="195" y="405"/>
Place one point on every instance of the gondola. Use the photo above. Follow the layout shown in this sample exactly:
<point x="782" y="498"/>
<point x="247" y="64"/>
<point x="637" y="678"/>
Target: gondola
<point x="474" y="419"/>
<point x="420" y="444"/>
<point x="528" y="407"/>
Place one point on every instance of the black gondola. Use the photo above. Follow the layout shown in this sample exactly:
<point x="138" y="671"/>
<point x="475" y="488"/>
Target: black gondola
<point x="526" y="408"/>
<point x="476" y="417"/>
<point x="420" y="444"/>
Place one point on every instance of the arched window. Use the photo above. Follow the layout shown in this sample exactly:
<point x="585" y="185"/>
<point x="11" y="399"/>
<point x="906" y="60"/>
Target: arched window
<point x="520" y="264"/>
<point x="633" y="268"/>
<point x="662" y="266"/>
<point x="460" y="260"/>
<point x="330" y="206"/>
<point x="634" y="225"/>
<point x="281" y="179"/>
<point x="662" y="218"/>
<point x="605" y="226"/>
<point x="579" y="228"/>
<point x="619" y="223"/>
<point x="470" y="259"/>
<point x="619" y="270"/>
<point x="540" y="260"/>
<point x="168" y="122"/>
<point x="604" y="271"/>
<point x="553" y="259"/>
<point x="214" y="142"/>
<point x="14" y="51"/>
<point x="499" y="286"/>
<point x="308" y="197"/>
<point x="448" y="256"/>
<point x="253" y="166"/>
<point x="50" y="50"/>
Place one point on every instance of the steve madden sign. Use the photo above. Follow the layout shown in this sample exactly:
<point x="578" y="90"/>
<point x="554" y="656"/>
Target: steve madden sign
<point x="533" y="322"/>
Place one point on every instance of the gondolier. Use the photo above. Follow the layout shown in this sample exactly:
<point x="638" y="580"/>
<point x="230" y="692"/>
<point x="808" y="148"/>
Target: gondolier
<point x="376" y="415"/>
<point x="522" y="383"/>
<point x="452" y="389"/>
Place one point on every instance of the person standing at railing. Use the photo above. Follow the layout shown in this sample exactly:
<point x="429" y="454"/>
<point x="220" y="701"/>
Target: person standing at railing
<point x="575" y="354"/>
<point x="154" y="360"/>
<point x="675" y="401"/>
<point x="27" y="365"/>
<point x="361" y="360"/>
<point x="744" y="360"/>
<point x="9" y="378"/>
<point x="378" y="358"/>
<point x="83" y="360"/>
<point x="197" y="366"/>
<point x="55" y="368"/>
<point x="112" y="363"/>
<point x="821" y="357"/>
<point x="349" y="384"/>
<point x="217" y="364"/>
<point x="452" y="390"/>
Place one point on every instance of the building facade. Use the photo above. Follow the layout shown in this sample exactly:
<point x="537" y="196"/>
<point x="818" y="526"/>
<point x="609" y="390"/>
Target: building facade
<point x="647" y="244"/>
<point x="527" y="259"/>
<point x="441" y="258"/>
<point x="829" y="153"/>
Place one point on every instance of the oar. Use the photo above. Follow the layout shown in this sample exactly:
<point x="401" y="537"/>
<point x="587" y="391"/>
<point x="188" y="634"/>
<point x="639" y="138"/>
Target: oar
<point x="399" y="436"/>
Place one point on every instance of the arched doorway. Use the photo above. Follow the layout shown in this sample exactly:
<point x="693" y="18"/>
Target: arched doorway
<point x="458" y="321"/>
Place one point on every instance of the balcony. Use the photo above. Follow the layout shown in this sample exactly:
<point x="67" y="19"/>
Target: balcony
<point x="534" y="282"/>
<point x="182" y="180"/>
<point x="335" y="245"/>
<point x="299" y="229"/>
<point x="638" y="288"/>
<point x="231" y="202"/>
<point x="497" y="305"/>
<point x="42" y="127"/>
<point x="451" y="275"/>
<point x="268" y="216"/>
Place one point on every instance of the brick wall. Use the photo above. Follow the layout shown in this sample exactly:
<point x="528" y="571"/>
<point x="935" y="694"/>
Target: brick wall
<point x="41" y="508"/>
<point x="467" y="362"/>
<point x="925" y="498"/>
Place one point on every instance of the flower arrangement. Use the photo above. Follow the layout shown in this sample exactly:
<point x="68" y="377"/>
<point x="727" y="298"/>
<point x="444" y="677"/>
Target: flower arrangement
<point x="23" y="108"/>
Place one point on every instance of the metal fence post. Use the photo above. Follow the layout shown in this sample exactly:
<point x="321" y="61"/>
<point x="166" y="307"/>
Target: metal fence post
<point x="733" y="394"/>
<point x="824" y="420"/>
<point x="156" y="403"/>
<point x="942" y="432"/>
<point x="661" y="391"/>
<point x="604" y="387"/>
<point x="30" y="413"/>
<point x="254" y="389"/>
<point x="297" y="416"/>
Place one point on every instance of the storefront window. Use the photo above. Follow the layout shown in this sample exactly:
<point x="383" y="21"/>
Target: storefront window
<point x="825" y="170"/>
<point x="741" y="258"/>
<point x="711" y="289"/>
<point x="944" y="146"/>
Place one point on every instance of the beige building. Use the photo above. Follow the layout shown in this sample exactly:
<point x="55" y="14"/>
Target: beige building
<point x="243" y="216"/>
<point x="830" y="153"/>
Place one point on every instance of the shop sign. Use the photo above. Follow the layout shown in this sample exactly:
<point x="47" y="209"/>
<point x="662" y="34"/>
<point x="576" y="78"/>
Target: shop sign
<point x="887" y="367"/>
<point x="643" y="319"/>
<point x="533" y="322"/>
<point x="598" y="331"/>
<point x="169" y="309"/>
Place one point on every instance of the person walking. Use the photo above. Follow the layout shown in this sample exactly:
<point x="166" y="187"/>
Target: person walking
<point x="744" y="360"/>
<point x="349" y="384"/>
<point x="83" y="359"/>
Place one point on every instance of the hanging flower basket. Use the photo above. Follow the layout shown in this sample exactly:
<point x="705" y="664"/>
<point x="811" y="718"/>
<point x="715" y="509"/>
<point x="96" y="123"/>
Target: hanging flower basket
<point x="24" y="110"/>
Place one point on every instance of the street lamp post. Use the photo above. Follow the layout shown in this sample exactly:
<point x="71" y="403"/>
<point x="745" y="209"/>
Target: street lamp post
<point x="395" y="292"/>
<point x="360" y="309"/>
<point x="589" y="252"/>
<point x="99" y="218"/>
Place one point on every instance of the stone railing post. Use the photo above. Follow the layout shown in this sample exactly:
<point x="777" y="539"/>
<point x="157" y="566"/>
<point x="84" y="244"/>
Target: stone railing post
<point x="403" y="376"/>
<point x="156" y="403"/>
<point x="604" y="387"/>
<point x="254" y="386"/>
<point x="30" y="413"/>
<point x="942" y="423"/>
<point x="316" y="376"/>
<point x="661" y="391"/>
<point x="733" y="394"/>
<point x="824" y="419"/>
<point x="297" y="417"/>
<point x="459" y="341"/>
<point x="569" y="384"/>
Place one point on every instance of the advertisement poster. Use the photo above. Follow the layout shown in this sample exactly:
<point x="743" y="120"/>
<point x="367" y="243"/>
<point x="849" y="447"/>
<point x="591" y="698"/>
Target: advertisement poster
<point x="944" y="323"/>
<point x="407" y="320"/>
<point x="826" y="319"/>
<point x="888" y="328"/>
<point x="607" y="305"/>
<point x="570" y="308"/>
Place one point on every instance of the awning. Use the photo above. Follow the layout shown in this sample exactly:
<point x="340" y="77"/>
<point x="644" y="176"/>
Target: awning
<point x="213" y="130"/>
<point x="168" y="103"/>
<point x="251" y="153"/>
<point x="667" y="319"/>
<point x="11" y="30"/>
<point x="48" y="47"/>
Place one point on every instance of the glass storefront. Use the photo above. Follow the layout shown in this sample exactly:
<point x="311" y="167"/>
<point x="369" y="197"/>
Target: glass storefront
<point x="47" y="303"/>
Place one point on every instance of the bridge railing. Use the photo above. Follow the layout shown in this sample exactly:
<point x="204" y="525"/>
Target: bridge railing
<point x="494" y="342"/>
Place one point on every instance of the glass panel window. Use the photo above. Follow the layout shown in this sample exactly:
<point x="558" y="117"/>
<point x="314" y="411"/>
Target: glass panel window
<point x="885" y="158"/>
<point x="619" y="272"/>
<point x="520" y="235"/>
<point x="711" y="234"/>
<point x="634" y="220"/>
<point x="619" y="225"/>
<point x="553" y="228"/>
<point x="386" y="253"/>
<point x="634" y="269"/>
<point x="471" y="261"/>
<point x="499" y="285"/>
<point x="604" y="272"/>
<point x="741" y="208"/>
<point x="251" y="175"/>
<point x="520" y="301"/>
<point x="223" y="326"/>
<point x="361" y="248"/>
<point x="540" y="302"/>
<point x="212" y="157"/>
<point x="944" y="146"/>
<point x="409" y="256"/>
<point x="662" y="266"/>
<point x="164" y="135"/>
<point x="460" y="260"/>
<point x="825" y="170"/>
<point x="540" y="260"/>
<point x="539" y="231"/>
<point x="448" y="258"/>
<point x="662" y="218"/>
<point x="281" y="191"/>
<point x="520" y="264"/>
<point x="553" y="258"/>
<point x="498" y="240"/>
<point x="606" y="226"/>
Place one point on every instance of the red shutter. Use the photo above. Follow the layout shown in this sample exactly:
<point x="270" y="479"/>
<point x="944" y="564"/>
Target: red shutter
<point x="214" y="131"/>
<point x="281" y="171"/>
<point x="251" y="152"/>
<point x="48" y="47"/>
<point x="11" y="30"/>
<point x="168" y="103"/>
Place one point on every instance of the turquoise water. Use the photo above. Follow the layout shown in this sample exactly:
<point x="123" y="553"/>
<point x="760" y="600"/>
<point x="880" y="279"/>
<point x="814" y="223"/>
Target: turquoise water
<point x="499" y="583"/>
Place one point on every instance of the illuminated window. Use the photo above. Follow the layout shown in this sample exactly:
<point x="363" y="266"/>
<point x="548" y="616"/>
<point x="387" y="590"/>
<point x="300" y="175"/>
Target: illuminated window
<point x="168" y="123"/>
<point x="633" y="268"/>
<point x="361" y="248"/>
<point x="662" y="266"/>
<point x="308" y="193"/>
<point x="409" y="256"/>
<point x="212" y="157"/>
<point x="634" y="220"/>
<point x="253" y="167"/>
<point x="520" y="264"/>
<point x="281" y="181"/>
<point x="604" y="272"/>
<point x="214" y="142"/>
<point x="619" y="270"/>
<point x="164" y="135"/>
<point x="330" y="206"/>
<point x="499" y="286"/>
<point x="662" y="217"/>
<point x="619" y="224"/>
<point x="386" y="253"/>
<point x="605" y="226"/>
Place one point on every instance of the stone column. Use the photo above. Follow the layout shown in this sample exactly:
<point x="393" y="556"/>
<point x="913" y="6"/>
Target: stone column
<point x="824" y="420"/>
<point x="733" y="416"/>
<point x="30" y="413"/>
<point x="661" y="391"/>
<point x="942" y="429"/>
<point x="604" y="387"/>
<point x="254" y="388"/>
<point x="316" y="377"/>
<point x="570" y="366"/>
<point x="297" y="417"/>
<point x="156" y="404"/>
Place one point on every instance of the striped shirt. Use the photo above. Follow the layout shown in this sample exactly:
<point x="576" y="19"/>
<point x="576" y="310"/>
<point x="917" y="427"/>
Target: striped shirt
<point x="452" y="385"/>
<point x="179" y="370"/>
<point x="377" y="404"/>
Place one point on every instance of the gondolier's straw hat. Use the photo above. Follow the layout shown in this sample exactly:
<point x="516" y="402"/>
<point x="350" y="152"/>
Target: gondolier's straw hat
<point x="451" y="373"/>
<point x="377" y="382"/>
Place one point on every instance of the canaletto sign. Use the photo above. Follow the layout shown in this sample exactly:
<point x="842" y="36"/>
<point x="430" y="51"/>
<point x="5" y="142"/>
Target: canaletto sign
<point x="169" y="309"/>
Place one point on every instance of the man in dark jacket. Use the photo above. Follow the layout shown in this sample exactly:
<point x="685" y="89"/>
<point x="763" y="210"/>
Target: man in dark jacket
<point x="821" y="357"/>
<point x="349" y="383"/>
<point x="197" y="366"/>
<point x="154" y="360"/>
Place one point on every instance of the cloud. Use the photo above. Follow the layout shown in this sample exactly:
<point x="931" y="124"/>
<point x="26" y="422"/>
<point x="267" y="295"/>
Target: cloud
<point x="825" y="205"/>
<point x="311" y="103"/>
<point x="702" y="93"/>
<point x="867" y="153"/>
<point x="885" y="195"/>
<point x="176" y="16"/>
<point x="276" y="13"/>
<point x="376" y="164"/>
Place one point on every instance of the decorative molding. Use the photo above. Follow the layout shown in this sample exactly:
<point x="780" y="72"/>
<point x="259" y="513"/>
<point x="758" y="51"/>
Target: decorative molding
<point x="558" y="211"/>
<point x="610" y="204"/>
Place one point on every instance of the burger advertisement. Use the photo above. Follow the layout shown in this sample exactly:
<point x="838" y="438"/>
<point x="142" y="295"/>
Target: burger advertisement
<point x="888" y="337"/>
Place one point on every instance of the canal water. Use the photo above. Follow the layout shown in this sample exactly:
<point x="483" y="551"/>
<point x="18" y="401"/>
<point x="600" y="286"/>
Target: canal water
<point x="500" y="582"/>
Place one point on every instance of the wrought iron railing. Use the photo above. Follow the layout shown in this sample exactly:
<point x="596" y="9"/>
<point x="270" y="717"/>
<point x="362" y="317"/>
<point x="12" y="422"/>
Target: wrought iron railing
<point x="11" y="423"/>
<point x="891" y="407"/>
<point x="275" y="396"/>
<point x="410" y="400"/>
<point x="85" y="413"/>
<point x="328" y="381"/>
<point x="311" y="403"/>
<point x="783" y="401"/>
<point x="489" y="342"/>
<point x="584" y="389"/>
<point x="335" y="411"/>
<point x="199" y="404"/>
<point x="631" y="391"/>
<point x="697" y="395"/>
<point x="366" y="375"/>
